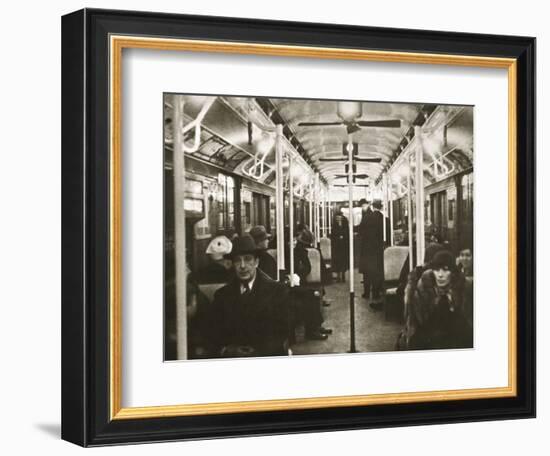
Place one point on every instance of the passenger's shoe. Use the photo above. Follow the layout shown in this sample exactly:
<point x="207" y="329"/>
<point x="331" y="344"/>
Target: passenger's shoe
<point x="316" y="336"/>
<point x="326" y="331"/>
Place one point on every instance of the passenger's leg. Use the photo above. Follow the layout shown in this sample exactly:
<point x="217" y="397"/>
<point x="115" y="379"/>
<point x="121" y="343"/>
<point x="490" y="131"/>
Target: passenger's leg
<point x="313" y="319"/>
<point x="366" y="286"/>
<point x="376" y="303"/>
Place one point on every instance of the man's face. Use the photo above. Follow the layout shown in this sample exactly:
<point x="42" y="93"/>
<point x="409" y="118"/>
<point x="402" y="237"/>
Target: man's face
<point x="245" y="266"/>
<point x="442" y="276"/>
<point x="263" y="244"/>
<point x="364" y="207"/>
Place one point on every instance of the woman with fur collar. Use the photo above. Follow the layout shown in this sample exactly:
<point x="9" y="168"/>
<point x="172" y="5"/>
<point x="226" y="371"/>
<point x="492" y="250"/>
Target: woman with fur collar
<point x="435" y="305"/>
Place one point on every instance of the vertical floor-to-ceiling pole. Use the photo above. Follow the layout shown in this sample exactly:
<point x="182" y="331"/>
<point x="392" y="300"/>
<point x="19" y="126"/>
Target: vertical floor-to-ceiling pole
<point x="291" y="218"/>
<point x="419" y="187"/>
<point x="390" y="191"/>
<point x="317" y="227"/>
<point x="279" y="202"/>
<point x="311" y="206"/>
<point x="329" y="212"/>
<point x="324" y="213"/>
<point x="385" y="200"/>
<point x="179" y="228"/>
<point x="410" y="212"/>
<point x="352" y="348"/>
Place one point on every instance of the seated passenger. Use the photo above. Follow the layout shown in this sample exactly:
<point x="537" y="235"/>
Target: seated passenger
<point x="465" y="262"/>
<point x="436" y="307"/>
<point x="250" y="314"/>
<point x="267" y="264"/>
<point x="219" y="269"/>
<point x="308" y="306"/>
<point x="198" y="309"/>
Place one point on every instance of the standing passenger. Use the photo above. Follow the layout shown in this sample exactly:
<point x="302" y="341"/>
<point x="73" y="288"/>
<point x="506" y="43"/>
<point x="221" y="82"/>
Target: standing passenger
<point x="340" y="246"/>
<point x="372" y="253"/>
<point x="362" y="235"/>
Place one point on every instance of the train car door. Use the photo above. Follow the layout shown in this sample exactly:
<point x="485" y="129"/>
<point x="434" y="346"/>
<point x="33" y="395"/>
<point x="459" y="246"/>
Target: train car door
<point x="438" y="209"/>
<point x="260" y="209"/>
<point x="466" y="211"/>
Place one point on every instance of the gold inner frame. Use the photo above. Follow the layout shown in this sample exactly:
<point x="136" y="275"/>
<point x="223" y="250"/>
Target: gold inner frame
<point x="117" y="44"/>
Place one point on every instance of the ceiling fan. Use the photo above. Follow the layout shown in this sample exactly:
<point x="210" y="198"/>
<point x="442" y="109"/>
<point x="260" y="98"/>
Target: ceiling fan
<point x="355" y="157"/>
<point x="350" y="112"/>
<point x="355" y="185"/>
<point x="358" y="176"/>
<point x="354" y="176"/>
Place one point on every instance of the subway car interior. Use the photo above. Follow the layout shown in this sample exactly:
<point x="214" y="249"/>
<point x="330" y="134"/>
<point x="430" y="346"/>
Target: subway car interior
<point x="305" y="171"/>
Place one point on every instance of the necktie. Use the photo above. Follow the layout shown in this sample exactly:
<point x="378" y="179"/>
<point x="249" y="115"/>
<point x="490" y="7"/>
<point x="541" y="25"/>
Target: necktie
<point x="246" y="290"/>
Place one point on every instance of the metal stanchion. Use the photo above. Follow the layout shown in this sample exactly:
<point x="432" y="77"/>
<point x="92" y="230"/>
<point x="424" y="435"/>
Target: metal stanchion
<point x="179" y="229"/>
<point x="311" y="222"/>
<point x="291" y="219"/>
<point x="410" y="212"/>
<point x="279" y="202"/>
<point x="385" y="201"/>
<point x="352" y="348"/>
<point x="390" y="191"/>
<point x="419" y="187"/>
<point x="317" y="227"/>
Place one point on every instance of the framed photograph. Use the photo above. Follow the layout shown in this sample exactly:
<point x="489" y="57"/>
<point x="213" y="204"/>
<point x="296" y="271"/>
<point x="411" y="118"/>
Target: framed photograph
<point x="277" y="227"/>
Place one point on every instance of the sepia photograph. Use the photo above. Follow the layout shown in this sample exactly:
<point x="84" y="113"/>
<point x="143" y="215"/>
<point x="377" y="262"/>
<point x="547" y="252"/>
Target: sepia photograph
<point x="304" y="227"/>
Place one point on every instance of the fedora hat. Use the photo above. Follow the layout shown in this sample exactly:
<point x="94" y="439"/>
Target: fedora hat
<point x="363" y="201"/>
<point x="305" y="237"/>
<point x="259" y="233"/>
<point x="243" y="245"/>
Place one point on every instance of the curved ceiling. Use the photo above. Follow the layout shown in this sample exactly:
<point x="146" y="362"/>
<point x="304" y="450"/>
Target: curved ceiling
<point x="230" y="136"/>
<point x="323" y="142"/>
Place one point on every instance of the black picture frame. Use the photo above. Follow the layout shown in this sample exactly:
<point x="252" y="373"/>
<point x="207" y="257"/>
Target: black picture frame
<point x="86" y="274"/>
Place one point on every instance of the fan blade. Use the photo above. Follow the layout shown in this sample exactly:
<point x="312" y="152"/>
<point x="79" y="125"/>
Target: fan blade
<point x="355" y="185"/>
<point x="368" y="160"/>
<point x="391" y="123"/>
<point x="332" y="159"/>
<point x="319" y="124"/>
<point x="359" y="176"/>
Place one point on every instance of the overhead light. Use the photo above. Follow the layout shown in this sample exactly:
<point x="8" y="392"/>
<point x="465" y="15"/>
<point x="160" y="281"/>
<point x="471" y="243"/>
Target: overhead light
<point x="349" y="110"/>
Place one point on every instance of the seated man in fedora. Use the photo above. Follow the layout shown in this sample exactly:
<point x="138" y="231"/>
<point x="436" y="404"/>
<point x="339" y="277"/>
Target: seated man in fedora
<point x="268" y="265"/>
<point x="250" y="313"/>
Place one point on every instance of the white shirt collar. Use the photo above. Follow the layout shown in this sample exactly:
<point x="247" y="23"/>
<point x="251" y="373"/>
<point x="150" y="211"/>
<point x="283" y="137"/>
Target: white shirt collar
<point x="250" y="284"/>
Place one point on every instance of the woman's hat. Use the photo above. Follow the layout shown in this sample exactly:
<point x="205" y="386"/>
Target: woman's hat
<point x="377" y="204"/>
<point x="363" y="201"/>
<point x="219" y="247"/>
<point x="443" y="259"/>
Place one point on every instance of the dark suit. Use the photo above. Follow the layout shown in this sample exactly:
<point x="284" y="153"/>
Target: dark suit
<point x="268" y="265"/>
<point x="258" y="319"/>
<point x="371" y="258"/>
<point x="340" y="246"/>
